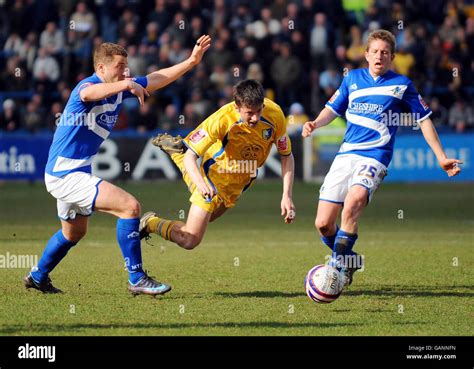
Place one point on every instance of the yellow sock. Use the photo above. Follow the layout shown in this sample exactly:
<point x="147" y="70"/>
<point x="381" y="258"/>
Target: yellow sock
<point x="178" y="159"/>
<point x="161" y="227"/>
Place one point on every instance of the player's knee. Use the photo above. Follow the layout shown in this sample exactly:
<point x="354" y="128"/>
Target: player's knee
<point x="74" y="235"/>
<point x="323" y="225"/>
<point x="132" y="208"/>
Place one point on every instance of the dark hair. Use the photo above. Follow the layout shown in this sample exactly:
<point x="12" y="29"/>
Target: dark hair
<point x="249" y="93"/>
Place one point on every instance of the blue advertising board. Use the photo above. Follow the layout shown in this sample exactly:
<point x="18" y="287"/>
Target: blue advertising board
<point x="413" y="160"/>
<point x="23" y="157"/>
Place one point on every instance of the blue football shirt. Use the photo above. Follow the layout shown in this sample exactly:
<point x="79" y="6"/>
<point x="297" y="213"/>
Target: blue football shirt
<point x="374" y="109"/>
<point x="82" y="128"/>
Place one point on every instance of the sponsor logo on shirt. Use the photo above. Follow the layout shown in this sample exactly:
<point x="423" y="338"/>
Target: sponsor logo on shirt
<point x="397" y="91"/>
<point x="282" y="143"/>
<point x="365" y="108"/>
<point x="334" y="96"/>
<point x="423" y="103"/>
<point x="267" y="133"/>
<point x="198" y="136"/>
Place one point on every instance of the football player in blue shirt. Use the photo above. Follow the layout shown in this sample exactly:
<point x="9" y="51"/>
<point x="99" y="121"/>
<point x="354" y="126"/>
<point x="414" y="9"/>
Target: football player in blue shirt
<point x="373" y="100"/>
<point x="90" y="114"/>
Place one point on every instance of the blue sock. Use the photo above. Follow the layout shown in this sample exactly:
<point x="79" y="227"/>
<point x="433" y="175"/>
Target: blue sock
<point x="56" y="249"/>
<point x="128" y="238"/>
<point x="343" y="244"/>
<point x="329" y="241"/>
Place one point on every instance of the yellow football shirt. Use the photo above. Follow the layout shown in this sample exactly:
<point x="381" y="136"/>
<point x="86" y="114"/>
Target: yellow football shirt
<point x="231" y="150"/>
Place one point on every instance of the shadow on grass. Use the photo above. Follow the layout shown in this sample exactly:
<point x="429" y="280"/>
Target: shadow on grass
<point x="412" y="291"/>
<point x="58" y="328"/>
<point x="383" y="291"/>
<point x="260" y="294"/>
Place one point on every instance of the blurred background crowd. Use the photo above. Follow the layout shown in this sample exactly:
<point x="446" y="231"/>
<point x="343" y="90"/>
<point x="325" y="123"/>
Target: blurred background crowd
<point x="298" y="49"/>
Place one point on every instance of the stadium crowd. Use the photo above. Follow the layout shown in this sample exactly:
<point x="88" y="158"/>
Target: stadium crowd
<point x="298" y="49"/>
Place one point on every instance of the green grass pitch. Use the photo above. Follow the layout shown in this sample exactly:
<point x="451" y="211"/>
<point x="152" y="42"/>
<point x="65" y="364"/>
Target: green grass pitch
<point x="246" y="278"/>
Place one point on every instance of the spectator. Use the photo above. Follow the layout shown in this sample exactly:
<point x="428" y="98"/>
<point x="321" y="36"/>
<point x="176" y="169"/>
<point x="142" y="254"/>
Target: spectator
<point x="356" y="50"/>
<point x="178" y="30"/>
<point x="254" y="71"/>
<point x="404" y="61"/>
<point x="9" y="117"/>
<point x="201" y="106"/>
<point x="219" y="55"/>
<point x="239" y="21"/>
<point x="152" y="37"/>
<point x="296" y="118"/>
<point x="160" y="15"/>
<point x="220" y="77"/>
<point x="13" y="44"/>
<point x="191" y="119"/>
<point x="319" y="41"/>
<point x="82" y="29"/>
<point x="177" y="53"/>
<point x="45" y="68"/>
<point x="461" y="116"/>
<point x="33" y="118"/>
<point x="264" y="27"/>
<point x="14" y="77"/>
<point x="440" y="114"/>
<point x="147" y="118"/>
<point x="219" y="15"/>
<point x="170" y="119"/>
<point x="136" y="62"/>
<point x="330" y="80"/>
<point x="52" y="39"/>
<point x="285" y="71"/>
<point x="54" y="114"/>
<point x="28" y="51"/>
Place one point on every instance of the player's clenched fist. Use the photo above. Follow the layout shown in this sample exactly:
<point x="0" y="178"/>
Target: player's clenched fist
<point x="308" y="128"/>
<point x="451" y="166"/>
<point x="206" y="191"/>
<point x="137" y="90"/>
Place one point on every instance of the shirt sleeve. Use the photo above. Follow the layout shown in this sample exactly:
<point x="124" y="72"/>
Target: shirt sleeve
<point x="340" y="99"/>
<point x="416" y="104"/>
<point x="205" y="135"/>
<point x="282" y="142"/>
<point x="142" y="81"/>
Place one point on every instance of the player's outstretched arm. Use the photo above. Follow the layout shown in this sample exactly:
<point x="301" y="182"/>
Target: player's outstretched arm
<point x="163" y="77"/>
<point x="323" y="119"/>
<point x="100" y="91"/>
<point x="450" y="166"/>
<point x="288" y="173"/>
<point x="190" y="163"/>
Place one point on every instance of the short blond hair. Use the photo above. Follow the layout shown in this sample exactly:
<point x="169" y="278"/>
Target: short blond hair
<point x="384" y="35"/>
<point x="105" y="52"/>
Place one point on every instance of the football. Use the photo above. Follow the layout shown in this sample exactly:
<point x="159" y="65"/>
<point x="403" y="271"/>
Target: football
<point x="323" y="284"/>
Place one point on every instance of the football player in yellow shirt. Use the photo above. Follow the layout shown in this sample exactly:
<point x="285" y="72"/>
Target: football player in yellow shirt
<point x="233" y="142"/>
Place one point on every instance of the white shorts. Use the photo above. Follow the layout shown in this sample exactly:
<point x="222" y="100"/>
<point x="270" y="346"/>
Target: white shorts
<point x="76" y="193"/>
<point x="349" y="170"/>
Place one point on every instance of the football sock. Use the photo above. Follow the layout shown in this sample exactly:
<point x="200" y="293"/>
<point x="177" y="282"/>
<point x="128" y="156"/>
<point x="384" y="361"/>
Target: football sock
<point x="160" y="226"/>
<point x="329" y="241"/>
<point x="178" y="159"/>
<point x="56" y="249"/>
<point x="128" y="238"/>
<point x="342" y="246"/>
